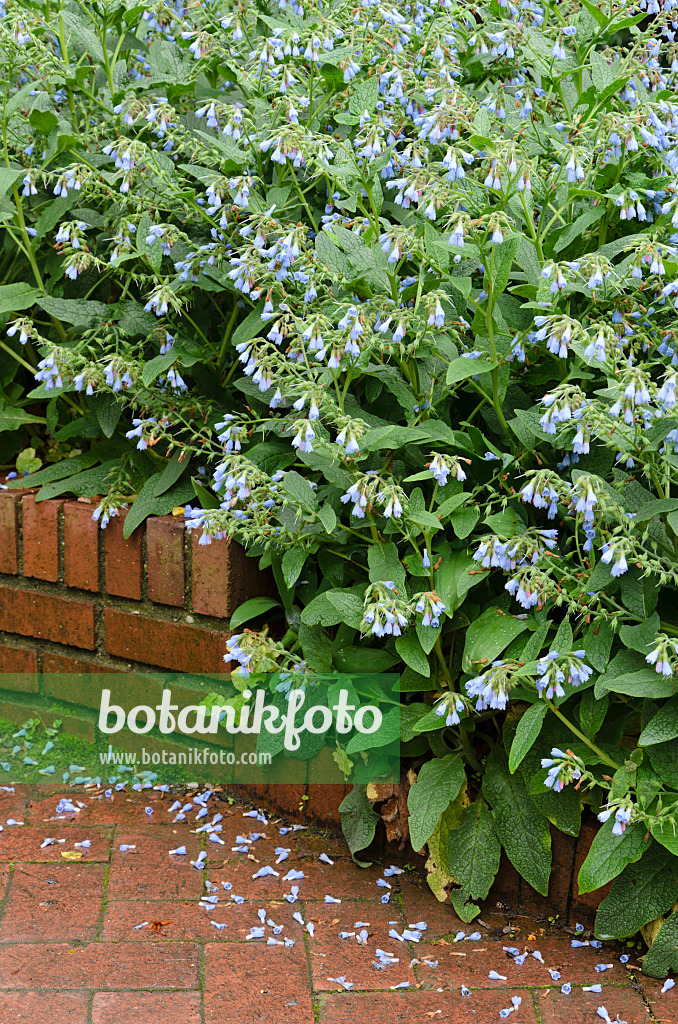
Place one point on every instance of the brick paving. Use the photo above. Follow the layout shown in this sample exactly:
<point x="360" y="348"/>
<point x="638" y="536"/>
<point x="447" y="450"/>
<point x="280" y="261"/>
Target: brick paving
<point x="96" y="934"/>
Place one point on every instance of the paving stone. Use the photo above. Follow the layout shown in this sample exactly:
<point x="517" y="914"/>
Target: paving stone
<point x="148" y="871"/>
<point x="53" y="902"/>
<point x="422" y="1007"/>
<point x="100" y="965"/>
<point x="25" y="844"/>
<point x="419" y="904"/>
<point x="146" y="1008"/>
<point x="555" y="1008"/>
<point x="343" y="880"/>
<point x="189" y="921"/>
<point x="43" y="1007"/>
<point x="333" y="957"/>
<point x="271" y="982"/>
<point x="469" y="963"/>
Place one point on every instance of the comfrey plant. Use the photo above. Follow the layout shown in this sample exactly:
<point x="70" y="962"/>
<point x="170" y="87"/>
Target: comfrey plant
<point x="387" y="294"/>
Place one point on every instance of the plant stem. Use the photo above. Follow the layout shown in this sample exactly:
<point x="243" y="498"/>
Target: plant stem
<point x="580" y="735"/>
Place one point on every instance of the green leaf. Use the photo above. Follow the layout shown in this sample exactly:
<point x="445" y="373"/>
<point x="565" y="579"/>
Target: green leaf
<point x="663" y="954"/>
<point x="205" y="497"/>
<point x="358" y="821"/>
<point x="523" y="831"/>
<point x="249" y="327"/>
<point x="438" y="783"/>
<point x="506" y="524"/>
<point x="597" y="642"/>
<point x="328" y="518"/>
<point x="154" y="367"/>
<point x="148" y="504"/>
<point x="384" y="564"/>
<point x="639" y="593"/>
<point x="578" y="227"/>
<point x="86" y="484"/>
<point x="639" y="638"/>
<point x="388" y="732"/>
<point x="347" y="603"/>
<point x="14" y="297"/>
<point x="662" y="727"/>
<point x="455" y="577"/>
<point x="655" y="508"/>
<point x="592" y="711"/>
<point x="643" y="892"/>
<point x="152" y="252"/>
<point x="527" y="732"/>
<point x="473" y="851"/>
<point x="298" y="488"/>
<point x="364" y="659"/>
<point x="645" y="683"/>
<point x="465" y="367"/>
<point x="13" y="418"/>
<point x="597" y="14"/>
<point x="502" y="260"/>
<point x="437" y="868"/>
<point x="664" y="759"/>
<point x="316" y="648"/>
<point x="463" y="521"/>
<point x="79" y="312"/>
<point x="410" y="650"/>
<point x="172" y="471"/>
<point x="252" y="609"/>
<point x="107" y="410"/>
<point x="58" y="470"/>
<point x="488" y="636"/>
<point x="563" y="639"/>
<point x="363" y="96"/>
<point x="292" y="564"/>
<point x="609" y="854"/>
<point x="8" y="175"/>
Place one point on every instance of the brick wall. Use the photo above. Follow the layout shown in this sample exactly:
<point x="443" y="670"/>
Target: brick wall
<point x="78" y="599"/>
<point x="77" y="596"/>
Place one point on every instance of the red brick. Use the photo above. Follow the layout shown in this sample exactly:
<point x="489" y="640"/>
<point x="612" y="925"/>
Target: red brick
<point x="63" y="663"/>
<point x="172" y="645"/>
<point x="99" y="965"/>
<point x="333" y="957"/>
<point x="320" y="880"/>
<point x="43" y="1007"/>
<point x="165" y="560"/>
<point x="85" y="689"/>
<point x="469" y="963"/>
<point x="222" y="577"/>
<point x="245" y="983"/>
<point x="81" y="547"/>
<point x="40" y="526"/>
<point x="411" y="1007"/>
<point x="23" y="844"/>
<point x="65" y="620"/>
<point x="662" y="1005"/>
<point x="18" y="669"/>
<point x="9" y="532"/>
<point x="323" y="801"/>
<point x="419" y="904"/>
<point x="555" y="1008"/>
<point x="124" y="562"/>
<point x="189" y="921"/>
<point x="146" y="1008"/>
<point x="53" y="902"/>
<point x="148" y="872"/>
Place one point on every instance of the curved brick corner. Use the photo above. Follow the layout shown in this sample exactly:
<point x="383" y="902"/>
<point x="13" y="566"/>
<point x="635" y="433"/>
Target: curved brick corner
<point x="156" y="599"/>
